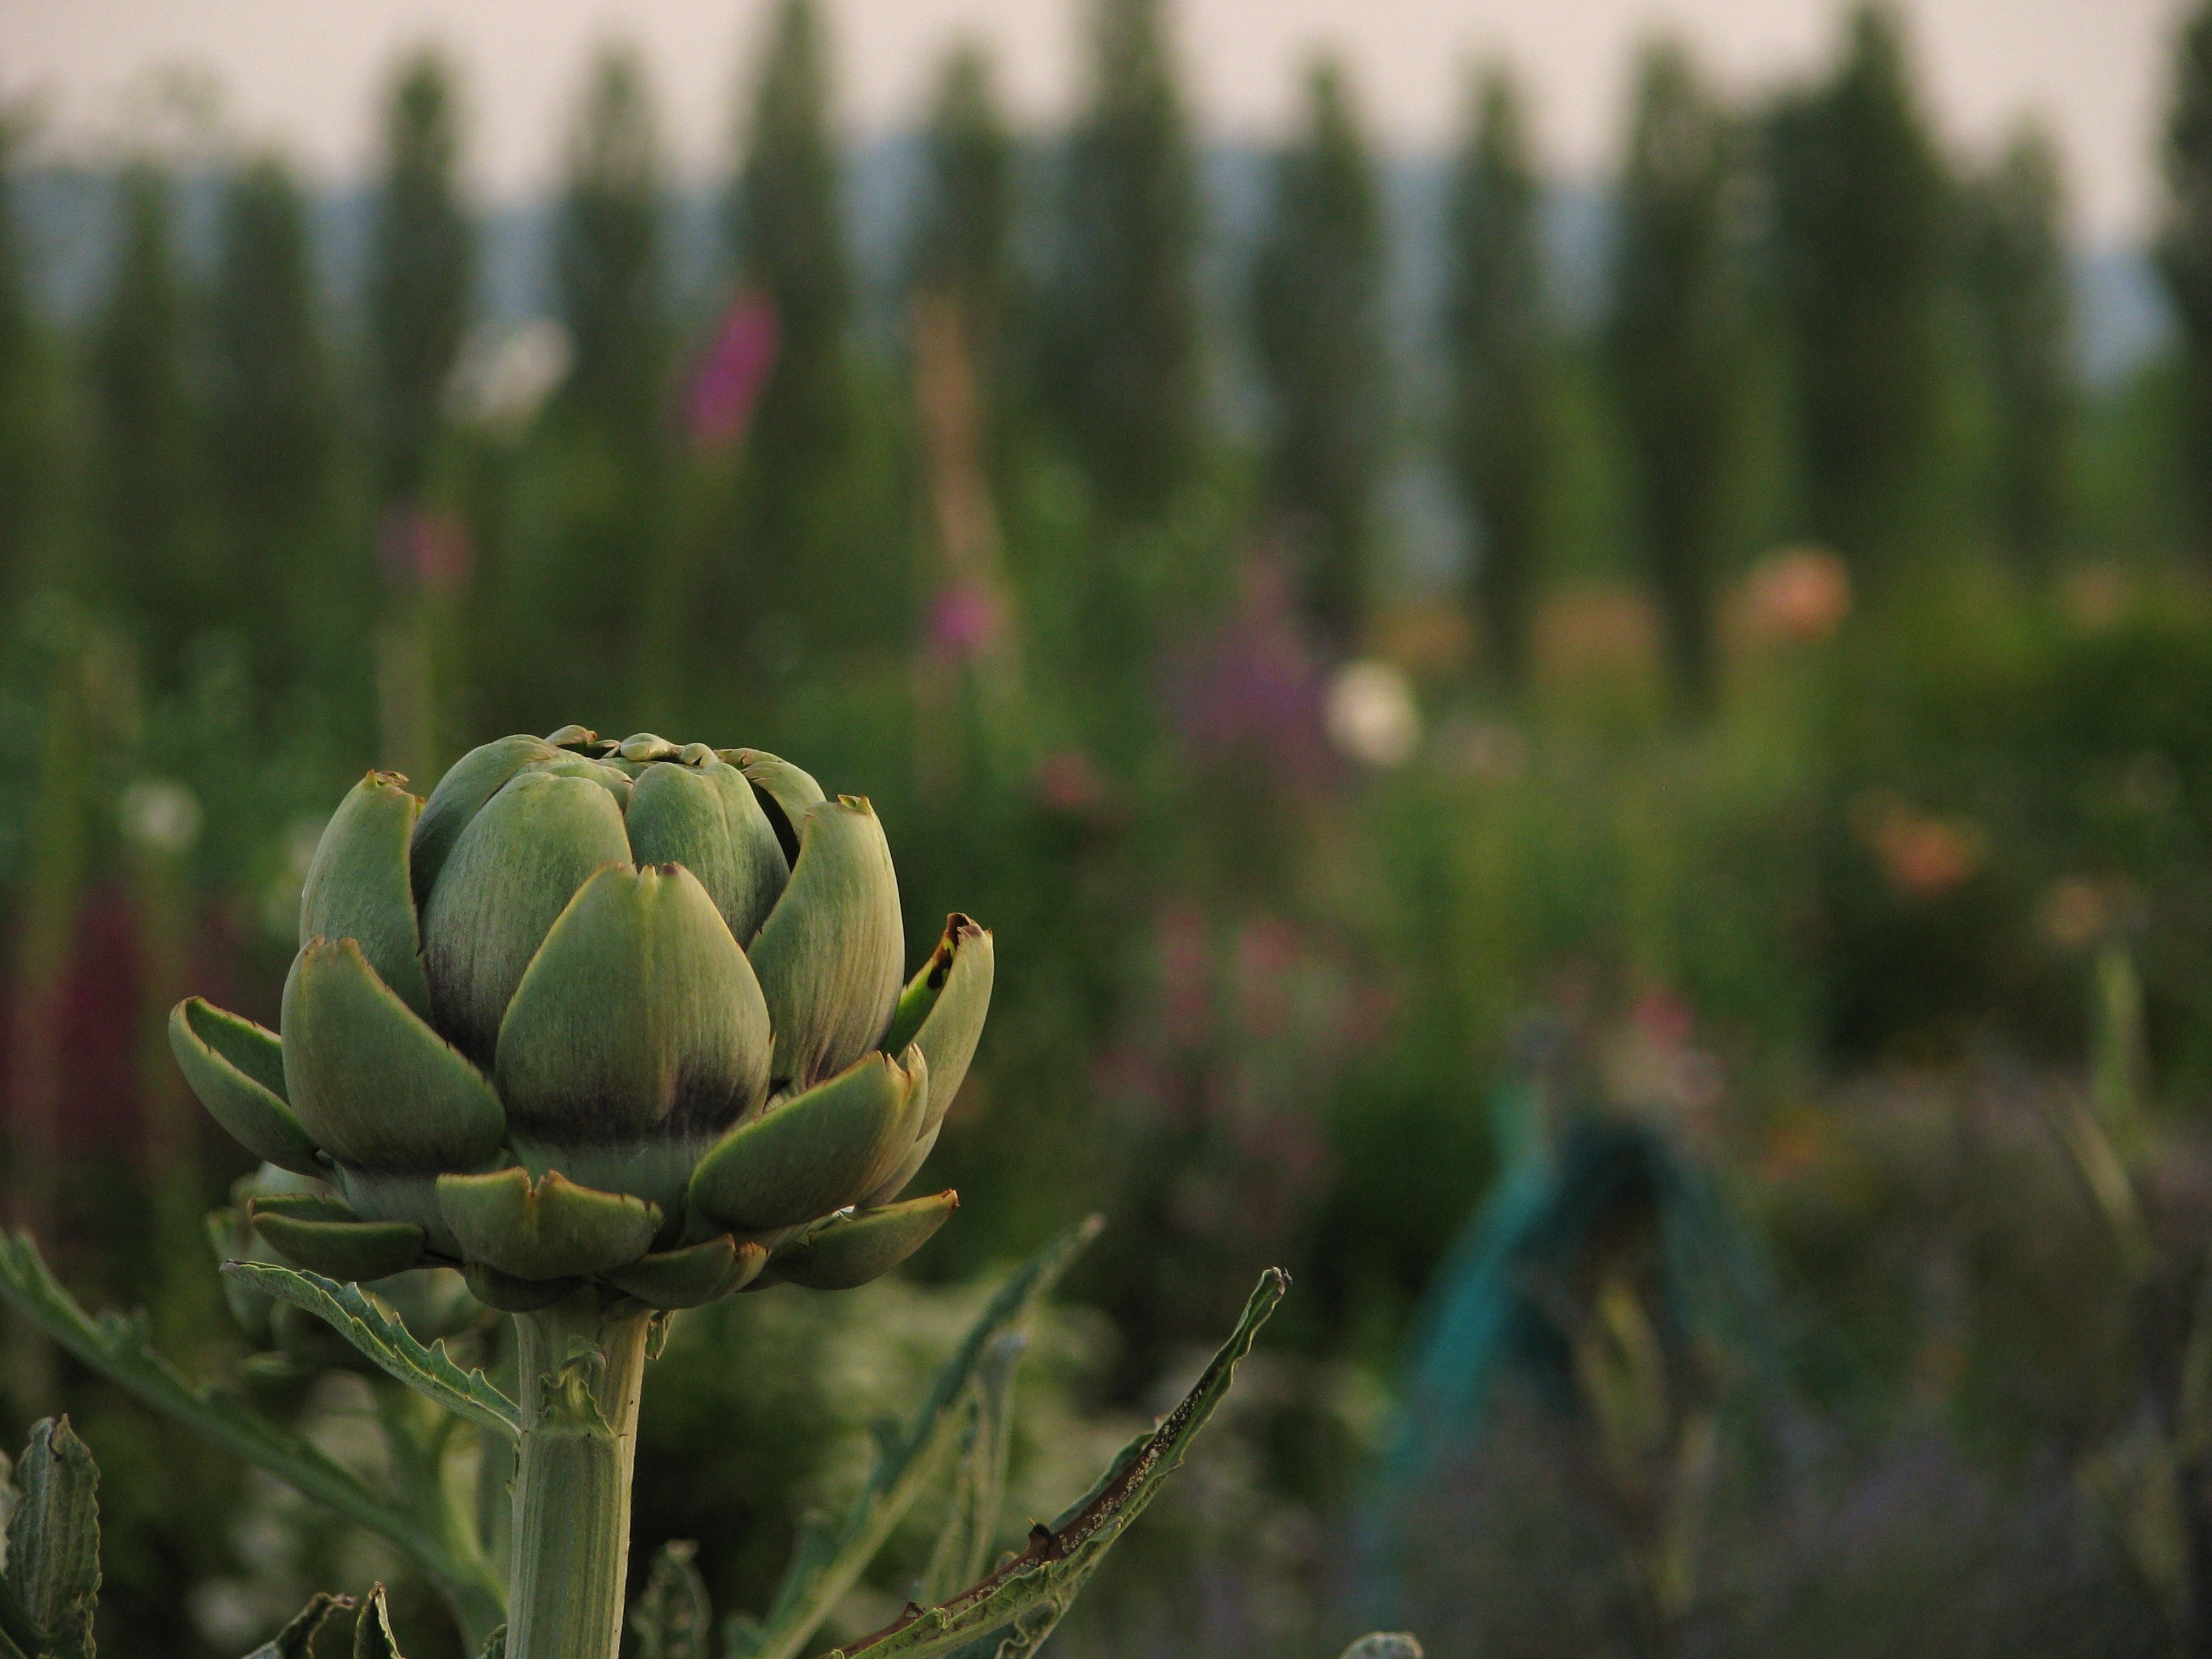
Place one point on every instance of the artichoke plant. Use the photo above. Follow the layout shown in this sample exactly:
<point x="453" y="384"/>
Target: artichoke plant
<point x="615" y="1028"/>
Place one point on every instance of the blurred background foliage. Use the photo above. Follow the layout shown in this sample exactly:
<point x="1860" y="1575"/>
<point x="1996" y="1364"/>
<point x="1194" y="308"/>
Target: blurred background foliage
<point x="1633" y="804"/>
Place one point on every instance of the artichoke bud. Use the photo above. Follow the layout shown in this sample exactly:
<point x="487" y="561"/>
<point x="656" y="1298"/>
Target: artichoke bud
<point x="847" y="1250"/>
<point x="625" y="1014"/>
<point x="942" y="1010"/>
<point x="322" y="1233"/>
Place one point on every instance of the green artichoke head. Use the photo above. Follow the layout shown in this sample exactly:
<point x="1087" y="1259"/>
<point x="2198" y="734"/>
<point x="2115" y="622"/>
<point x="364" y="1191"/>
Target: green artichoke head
<point x="625" y="1013"/>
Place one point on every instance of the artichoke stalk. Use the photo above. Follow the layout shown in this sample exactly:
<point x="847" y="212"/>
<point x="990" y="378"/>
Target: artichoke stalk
<point x="616" y="1029"/>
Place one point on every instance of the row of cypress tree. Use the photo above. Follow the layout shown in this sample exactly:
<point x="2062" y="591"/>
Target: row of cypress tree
<point x="1823" y="241"/>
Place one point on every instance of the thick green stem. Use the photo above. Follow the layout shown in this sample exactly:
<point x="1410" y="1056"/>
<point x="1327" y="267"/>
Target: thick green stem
<point x="581" y="1370"/>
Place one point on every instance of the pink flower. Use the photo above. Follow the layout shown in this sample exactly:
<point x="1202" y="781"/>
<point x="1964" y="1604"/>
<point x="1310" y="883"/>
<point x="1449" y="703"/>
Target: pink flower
<point x="963" y="620"/>
<point x="718" y="405"/>
<point x="432" y="551"/>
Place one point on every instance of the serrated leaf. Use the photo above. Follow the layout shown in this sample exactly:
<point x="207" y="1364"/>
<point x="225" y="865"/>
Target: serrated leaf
<point x="384" y="1338"/>
<point x="18" y="1631"/>
<point x="297" y="1639"/>
<point x="971" y="1521"/>
<point x="115" y="1346"/>
<point x="54" y="1540"/>
<point x="673" y="1618"/>
<point x="494" y="1646"/>
<point x="1020" y="1603"/>
<point x="821" y="1572"/>
<point x="372" y="1631"/>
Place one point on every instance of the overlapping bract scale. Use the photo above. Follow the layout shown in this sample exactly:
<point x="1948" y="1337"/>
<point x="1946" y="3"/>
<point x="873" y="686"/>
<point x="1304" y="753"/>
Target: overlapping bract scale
<point x="622" y="1014"/>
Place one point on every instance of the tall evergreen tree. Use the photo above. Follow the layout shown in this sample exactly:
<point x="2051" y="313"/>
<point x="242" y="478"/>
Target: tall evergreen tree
<point x="608" y="263"/>
<point x="1859" y="206"/>
<point x="2184" y="256"/>
<point x="24" y="427"/>
<point x="267" y="418"/>
<point x="1317" y="290"/>
<point x="963" y="239"/>
<point x="1124" y="368"/>
<point x="2016" y="258"/>
<point x="150" y="561"/>
<point x="1498" y="348"/>
<point x="791" y="246"/>
<point x="1677" y="343"/>
<point x="421" y="261"/>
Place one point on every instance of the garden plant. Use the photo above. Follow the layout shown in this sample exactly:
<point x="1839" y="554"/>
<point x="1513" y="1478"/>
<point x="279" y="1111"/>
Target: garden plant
<point x="600" y="1032"/>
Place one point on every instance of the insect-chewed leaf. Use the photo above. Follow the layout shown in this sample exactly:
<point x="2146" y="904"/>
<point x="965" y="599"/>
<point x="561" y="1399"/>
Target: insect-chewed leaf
<point x="830" y="1559"/>
<point x="297" y="1639"/>
<point x="1023" y="1601"/>
<point x="673" y="1618"/>
<point x="53" y="1539"/>
<point x="386" y="1341"/>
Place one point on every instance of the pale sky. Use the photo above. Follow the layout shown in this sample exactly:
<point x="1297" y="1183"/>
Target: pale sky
<point x="304" y="74"/>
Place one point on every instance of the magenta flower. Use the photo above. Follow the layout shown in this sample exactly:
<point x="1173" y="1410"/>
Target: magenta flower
<point x="718" y="405"/>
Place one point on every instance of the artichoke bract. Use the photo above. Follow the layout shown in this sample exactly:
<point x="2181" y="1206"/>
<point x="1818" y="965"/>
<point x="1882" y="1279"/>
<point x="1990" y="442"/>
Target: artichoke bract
<point x="624" y="1013"/>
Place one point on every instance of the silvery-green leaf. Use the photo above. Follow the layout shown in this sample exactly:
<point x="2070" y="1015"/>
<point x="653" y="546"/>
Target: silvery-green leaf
<point x="53" y="1538"/>
<point x="829" y="1559"/>
<point x="942" y="1010"/>
<point x="511" y="874"/>
<point x="116" y="1346"/>
<point x="808" y="1157"/>
<point x="297" y="1639"/>
<point x="468" y="784"/>
<point x="1026" y="1598"/>
<point x="691" y="1277"/>
<point x="548" y="1229"/>
<point x="639" y="1013"/>
<point x="970" y="1526"/>
<point x="237" y="1070"/>
<point x="828" y="955"/>
<point x="321" y="1233"/>
<point x="385" y="1339"/>
<point x="849" y="1250"/>
<point x="358" y="887"/>
<point x="369" y="1080"/>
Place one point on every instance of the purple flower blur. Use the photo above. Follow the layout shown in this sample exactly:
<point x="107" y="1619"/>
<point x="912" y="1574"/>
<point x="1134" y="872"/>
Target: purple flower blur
<point x="1250" y="687"/>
